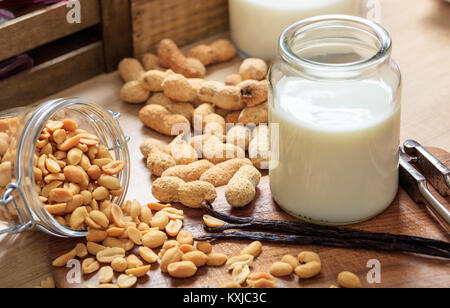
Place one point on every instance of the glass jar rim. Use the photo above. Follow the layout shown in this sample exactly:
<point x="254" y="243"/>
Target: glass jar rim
<point x="381" y="34"/>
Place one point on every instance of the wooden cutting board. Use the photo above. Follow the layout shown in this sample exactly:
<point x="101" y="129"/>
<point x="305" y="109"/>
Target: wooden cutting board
<point x="397" y="269"/>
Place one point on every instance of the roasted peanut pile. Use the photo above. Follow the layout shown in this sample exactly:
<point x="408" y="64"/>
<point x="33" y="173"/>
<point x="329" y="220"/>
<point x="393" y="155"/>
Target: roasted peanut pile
<point x="306" y="266"/>
<point x="116" y="234"/>
<point x="8" y="129"/>
<point x="74" y="175"/>
<point x="178" y="99"/>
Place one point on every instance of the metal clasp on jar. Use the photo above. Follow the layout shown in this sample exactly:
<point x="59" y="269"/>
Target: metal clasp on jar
<point x="8" y="198"/>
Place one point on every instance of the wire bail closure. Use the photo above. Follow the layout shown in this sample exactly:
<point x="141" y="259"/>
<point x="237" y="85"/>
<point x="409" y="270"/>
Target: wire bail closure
<point x="7" y="199"/>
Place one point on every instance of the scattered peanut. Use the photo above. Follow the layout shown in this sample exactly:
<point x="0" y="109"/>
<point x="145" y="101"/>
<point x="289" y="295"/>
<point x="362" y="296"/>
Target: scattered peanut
<point x="349" y="280"/>
<point x="62" y="260"/>
<point x="254" y="92"/>
<point x="135" y="92"/>
<point x="119" y="264"/>
<point x="308" y="256"/>
<point x="244" y="259"/>
<point x="184" y="269"/>
<point x="138" y="271"/>
<point x="126" y="281"/>
<point x="172" y="255"/>
<point x="189" y="173"/>
<point x="130" y="69"/>
<point x="254" y="249"/>
<point x="308" y="270"/>
<point x="217" y="259"/>
<point x="185" y="237"/>
<point x="109" y="254"/>
<point x="89" y="266"/>
<point x="174" y="227"/>
<point x="94" y="248"/>
<point x="281" y="269"/>
<point x="259" y="148"/>
<point x="105" y="274"/>
<point x="150" y="61"/>
<point x="150" y="145"/>
<point x="170" y="56"/>
<point x="222" y="173"/>
<point x="197" y="257"/>
<point x="241" y="190"/>
<point x="253" y="69"/>
<point x="225" y="97"/>
<point x="181" y="151"/>
<point x="154" y="239"/>
<point x="81" y="250"/>
<point x="197" y="65"/>
<point x="193" y="194"/>
<point x="310" y="265"/>
<point x="291" y="260"/>
<point x="261" y="280"/>
<point x="219" y="51"/>
<point x="212" y="222"/>
<point x="254" y="115"/>
<point x="182" y="108"/>
<point x="160" y="220"/>
<point x="240" y="273"/>
<point x="163" y="121"/>
<point x="153" y="79"/>
<point x="204" y="247"/>
<point x="178" y="88"/>
<point x="148" y="255"/>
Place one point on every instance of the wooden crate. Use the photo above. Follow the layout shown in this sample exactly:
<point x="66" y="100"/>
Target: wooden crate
<point x="66" y="53"/>
<point x="124" y="27"/>
<point x="185" y="21"/>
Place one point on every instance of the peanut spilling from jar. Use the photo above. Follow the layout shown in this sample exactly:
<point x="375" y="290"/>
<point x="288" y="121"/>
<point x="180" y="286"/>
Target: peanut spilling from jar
<point x="75" y="175"/>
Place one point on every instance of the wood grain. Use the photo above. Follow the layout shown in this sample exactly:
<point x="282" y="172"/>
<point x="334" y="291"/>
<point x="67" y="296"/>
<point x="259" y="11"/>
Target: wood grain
<point x="52" y="76"/>
<point x="116" y="32"/>
<point x="421" y="46"/>
<point x="405" y="270"/>
<point x="185" y="21"/>
<point x="43" y="26"/>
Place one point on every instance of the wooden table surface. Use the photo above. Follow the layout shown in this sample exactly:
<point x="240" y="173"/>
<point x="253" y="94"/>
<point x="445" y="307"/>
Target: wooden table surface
<point x="421" y="35"/>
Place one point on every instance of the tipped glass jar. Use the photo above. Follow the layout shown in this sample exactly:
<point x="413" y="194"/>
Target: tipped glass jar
<point x="21" y="207"/>
<point x="336" y="95"/>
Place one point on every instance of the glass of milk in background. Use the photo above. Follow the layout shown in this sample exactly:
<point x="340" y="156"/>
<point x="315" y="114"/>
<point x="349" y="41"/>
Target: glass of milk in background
<point x="335" y="95"/>
<point x="256" y="25"/>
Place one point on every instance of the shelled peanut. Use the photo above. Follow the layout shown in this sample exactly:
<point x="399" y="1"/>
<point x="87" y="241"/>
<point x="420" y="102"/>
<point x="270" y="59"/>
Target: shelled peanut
<point x="307" y="265"/>
<point x="121" y="231"/>
<point x="240" y="267"/>
<point x="74" y="173"/>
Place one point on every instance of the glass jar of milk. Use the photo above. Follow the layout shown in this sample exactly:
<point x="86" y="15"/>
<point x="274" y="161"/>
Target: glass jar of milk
<point x="335" y="94"/>
<point x="256" y="25"/>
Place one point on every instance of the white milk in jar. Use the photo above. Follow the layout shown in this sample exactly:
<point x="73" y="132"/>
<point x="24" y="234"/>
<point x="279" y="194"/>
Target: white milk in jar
<point x="335" y="95"/>
<point x="256" y="25"/>
<point x="338" y="147"/>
